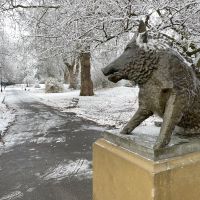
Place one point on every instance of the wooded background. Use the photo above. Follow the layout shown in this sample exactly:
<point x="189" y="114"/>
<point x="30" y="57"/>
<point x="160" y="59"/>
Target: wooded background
<point x="71" y="40"/>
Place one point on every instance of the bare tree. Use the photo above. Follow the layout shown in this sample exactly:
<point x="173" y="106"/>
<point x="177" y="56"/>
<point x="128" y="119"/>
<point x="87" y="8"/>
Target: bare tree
<point x="56" y="27"/>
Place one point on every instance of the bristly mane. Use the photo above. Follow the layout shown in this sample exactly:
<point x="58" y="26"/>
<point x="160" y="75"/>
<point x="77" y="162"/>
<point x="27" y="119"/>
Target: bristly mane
<point x="140" y="69"/>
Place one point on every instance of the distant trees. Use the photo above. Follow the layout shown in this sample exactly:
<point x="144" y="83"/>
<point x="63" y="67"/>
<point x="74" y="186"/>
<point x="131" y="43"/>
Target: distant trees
<point x="72" y="30"/>
<point x="178" y="22"/>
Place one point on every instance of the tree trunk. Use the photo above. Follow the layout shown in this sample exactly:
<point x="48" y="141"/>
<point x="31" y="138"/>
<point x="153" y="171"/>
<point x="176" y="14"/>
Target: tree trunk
<point x="71" y="73"/>
<point x="66" y="76"/>
<point x="72" y="78"/>
<point x="77" y="71"/>
<point x="86" y="82"/>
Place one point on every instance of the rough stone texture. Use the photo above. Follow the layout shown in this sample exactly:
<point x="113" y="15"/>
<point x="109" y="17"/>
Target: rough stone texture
<point x="168" y="86"/>
<point x="143" y="140"/>
<point x="119" y="174"/>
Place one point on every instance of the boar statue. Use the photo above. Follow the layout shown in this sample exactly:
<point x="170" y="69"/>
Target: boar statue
<point x="168" y="86"/>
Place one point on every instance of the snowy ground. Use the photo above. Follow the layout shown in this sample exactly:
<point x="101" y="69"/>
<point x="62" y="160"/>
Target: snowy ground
<point x="6" y="114"/>
<point x="47" y="153"/>
<point x="111" y="106"/>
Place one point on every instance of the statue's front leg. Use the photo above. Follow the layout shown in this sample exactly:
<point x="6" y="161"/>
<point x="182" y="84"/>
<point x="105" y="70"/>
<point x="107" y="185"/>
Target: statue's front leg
<point x="141" y="114"/>
<point x="173" y="114"/>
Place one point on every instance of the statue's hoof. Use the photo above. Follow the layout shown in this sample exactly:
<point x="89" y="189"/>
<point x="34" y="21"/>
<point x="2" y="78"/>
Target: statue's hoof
<point x="158" y="146"/>
<point x="161" y="144"/>
<point x="126" y="131"/>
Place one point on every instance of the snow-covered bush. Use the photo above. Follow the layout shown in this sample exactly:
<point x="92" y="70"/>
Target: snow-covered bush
<point x="7" y="115"/>
<point x="37" y="85"/>
<point x="99" y="80"/>
<point x="52" y="85"/>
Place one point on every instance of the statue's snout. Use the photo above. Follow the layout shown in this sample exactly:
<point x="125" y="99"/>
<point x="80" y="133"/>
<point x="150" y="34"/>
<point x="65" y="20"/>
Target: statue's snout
<point x="110" y="69"/>
<point x="105" y="71"/>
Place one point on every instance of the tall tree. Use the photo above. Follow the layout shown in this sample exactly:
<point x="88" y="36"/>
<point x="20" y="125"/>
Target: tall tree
<point x="57" y="26"/>
<point x="86" y="81"/>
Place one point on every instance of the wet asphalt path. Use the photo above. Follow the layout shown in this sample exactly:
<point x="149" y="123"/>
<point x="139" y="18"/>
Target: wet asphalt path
<point x="48" y="153"/>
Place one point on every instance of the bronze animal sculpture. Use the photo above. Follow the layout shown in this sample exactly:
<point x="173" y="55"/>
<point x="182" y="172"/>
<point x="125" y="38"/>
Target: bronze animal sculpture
<point x="168" y="86"/>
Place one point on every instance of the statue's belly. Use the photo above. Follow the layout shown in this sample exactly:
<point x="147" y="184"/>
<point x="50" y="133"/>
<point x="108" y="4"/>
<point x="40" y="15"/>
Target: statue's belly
<point x="156" y="102"/>
<point x="191" y="119"/>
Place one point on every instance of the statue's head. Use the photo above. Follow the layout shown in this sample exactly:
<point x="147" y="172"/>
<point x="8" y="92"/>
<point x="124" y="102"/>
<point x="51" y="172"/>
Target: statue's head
<point x="130" y="65"/>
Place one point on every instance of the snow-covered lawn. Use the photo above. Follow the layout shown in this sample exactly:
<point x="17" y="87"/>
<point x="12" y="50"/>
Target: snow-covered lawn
<point x="110" y="106"/>
<point x="6" y="114"/>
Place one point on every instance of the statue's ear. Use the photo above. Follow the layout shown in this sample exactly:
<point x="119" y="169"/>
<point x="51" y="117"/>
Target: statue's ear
<point x="142" y="31"/>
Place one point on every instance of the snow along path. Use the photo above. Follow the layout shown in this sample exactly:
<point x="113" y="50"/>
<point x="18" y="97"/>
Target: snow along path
<point x="110" y="106"/>
<point x="6" y="114"/>
<point x="47" y="153"/>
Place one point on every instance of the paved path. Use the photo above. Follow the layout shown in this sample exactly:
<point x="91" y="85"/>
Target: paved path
<point x="47" y="154"/>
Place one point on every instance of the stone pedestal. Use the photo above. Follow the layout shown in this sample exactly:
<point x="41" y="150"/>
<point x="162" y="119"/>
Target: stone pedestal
<point x="126" y="170"/>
